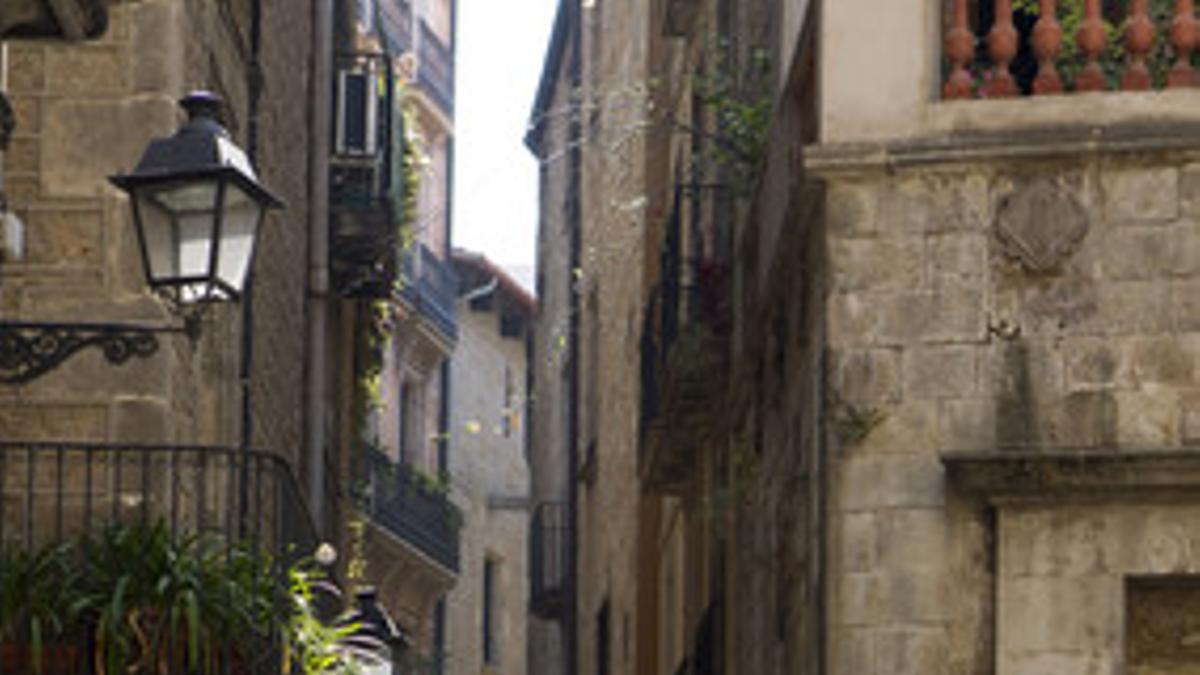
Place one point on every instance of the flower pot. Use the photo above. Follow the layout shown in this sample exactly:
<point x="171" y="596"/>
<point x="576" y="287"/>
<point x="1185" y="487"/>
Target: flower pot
<point x="57" y="659"/>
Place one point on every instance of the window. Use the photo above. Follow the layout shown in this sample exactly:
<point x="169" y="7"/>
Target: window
<point x="509" y="415"/>
<point x="602" y="640"/>
<point x="1161" y="629"/>
<point x="439" y="637"/>
<point x="491" y="654"/>
<point x="404" y="435"/>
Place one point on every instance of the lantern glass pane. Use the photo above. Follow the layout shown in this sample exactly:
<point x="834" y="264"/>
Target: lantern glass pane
<point x="239" y="225"/>
<point x="157" y="236"/>
<point x="178" y="225"/>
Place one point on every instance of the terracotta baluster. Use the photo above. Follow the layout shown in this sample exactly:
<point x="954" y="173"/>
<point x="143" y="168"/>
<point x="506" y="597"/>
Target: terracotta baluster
<point x="1047" y="39"/>
<point x="1092" y="39"/>
<point x="1183" y="39"/>
<point x="1002" y="45"/>
<point x="1139" y="40"/>
<point x="960" y="47"/>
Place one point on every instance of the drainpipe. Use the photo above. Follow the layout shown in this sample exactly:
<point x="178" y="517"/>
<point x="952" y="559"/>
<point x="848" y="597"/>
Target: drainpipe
<point x="575" y="215"/>
<point x="254" y="82"/>
<point x="316" y="375"/>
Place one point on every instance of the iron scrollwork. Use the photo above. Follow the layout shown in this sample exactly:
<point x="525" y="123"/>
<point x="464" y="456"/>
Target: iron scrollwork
<point x="30" y="350"/>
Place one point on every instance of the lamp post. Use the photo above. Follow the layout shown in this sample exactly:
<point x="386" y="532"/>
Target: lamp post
<point x="197" y="207"/>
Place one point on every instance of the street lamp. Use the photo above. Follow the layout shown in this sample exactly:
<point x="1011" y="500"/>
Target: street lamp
<point x="197" y="208"/>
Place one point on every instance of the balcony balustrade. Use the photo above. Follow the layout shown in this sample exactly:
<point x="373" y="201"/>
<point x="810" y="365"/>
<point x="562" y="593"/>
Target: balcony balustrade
<point x="430" y="287"/>
<point x="435" y="69"/>
<point x="396" y="498"/>
<point x="1003" y="49"/>
<point x="52" y="494"/>
<point x="396" y="26"/>
<point x="548" y="559"/>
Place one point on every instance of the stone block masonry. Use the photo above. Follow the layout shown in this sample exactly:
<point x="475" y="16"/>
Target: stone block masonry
<point x="1071" y="325"/>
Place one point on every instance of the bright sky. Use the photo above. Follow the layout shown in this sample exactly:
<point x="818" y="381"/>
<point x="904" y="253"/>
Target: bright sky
<point x="501" y="44"/>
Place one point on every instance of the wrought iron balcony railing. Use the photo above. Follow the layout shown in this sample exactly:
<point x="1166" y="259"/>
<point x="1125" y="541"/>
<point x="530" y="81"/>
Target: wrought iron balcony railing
<point x="398" y="499"/>
<point x="430" y="286"/>
<point x="367" y="189"/>
<point x="548" y="559"/>
<point x="435" y="68"/>
<point x="396" y="26"/>
<point x="69" y="493"/>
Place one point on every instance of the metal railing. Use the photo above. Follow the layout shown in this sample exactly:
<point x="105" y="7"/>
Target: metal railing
<point x="396" y="498"/>
<point x="52" y="493"/>
<point x="430" y="285"/>
<point x="548" y="558"/>
<point x="396" y="26"/>
<point x="435" y="68"/>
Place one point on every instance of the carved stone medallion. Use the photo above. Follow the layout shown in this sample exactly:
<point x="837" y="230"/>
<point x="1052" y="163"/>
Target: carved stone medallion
<point x="1040" y="225"/>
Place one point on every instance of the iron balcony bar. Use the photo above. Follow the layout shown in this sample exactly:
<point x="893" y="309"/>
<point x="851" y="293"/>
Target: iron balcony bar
<point x="59" y="492"/>
<point x="29" y="350"/>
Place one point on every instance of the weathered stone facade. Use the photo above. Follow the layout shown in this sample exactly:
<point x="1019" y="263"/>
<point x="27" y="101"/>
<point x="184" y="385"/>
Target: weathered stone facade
<point x="489" y="473"/>
<point x="86" y="111"/>
<point x="956" y="429"/>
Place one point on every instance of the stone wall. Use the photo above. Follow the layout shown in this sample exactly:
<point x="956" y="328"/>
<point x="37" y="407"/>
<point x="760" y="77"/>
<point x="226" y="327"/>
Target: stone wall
<point x="1001" y="305"/>
<point x="550" y="328"/>
<point x="87" y="111"/>
<point x="489" y="479"/>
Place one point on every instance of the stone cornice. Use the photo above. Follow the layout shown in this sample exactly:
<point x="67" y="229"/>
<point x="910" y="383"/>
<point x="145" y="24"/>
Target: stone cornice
<point x="1039" y="143"/>
<point x="1065" y="475"/>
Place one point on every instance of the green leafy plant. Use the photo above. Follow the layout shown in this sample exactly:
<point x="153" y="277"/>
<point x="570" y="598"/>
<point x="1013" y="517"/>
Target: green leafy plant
<point x="35" y="597"/>
<point x="318" y="643"/>
<point x="151" y="599"/>
<point x="739" y="98"/>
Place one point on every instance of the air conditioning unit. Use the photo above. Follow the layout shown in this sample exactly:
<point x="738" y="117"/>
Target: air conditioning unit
<point x="357" y="112"/>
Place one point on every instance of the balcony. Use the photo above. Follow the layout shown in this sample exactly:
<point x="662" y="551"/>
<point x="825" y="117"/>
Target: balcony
<point x="243" y="501"/>
<point x="548" y="559"/>
<point x="366" y="184"/>
<point x="429" y="288"/>
<point x="435" y="69"/>
<point x="995" y="51"/>
<point x="396" y="26"/>
<point x="402" y="502"/>
<point x="684" y="364"/>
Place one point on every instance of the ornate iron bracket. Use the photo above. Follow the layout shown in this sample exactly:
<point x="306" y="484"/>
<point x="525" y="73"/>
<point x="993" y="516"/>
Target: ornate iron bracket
<point x="30" y="350"/>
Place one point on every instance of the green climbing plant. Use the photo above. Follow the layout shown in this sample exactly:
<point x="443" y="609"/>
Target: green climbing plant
<point x="739" y="98"/>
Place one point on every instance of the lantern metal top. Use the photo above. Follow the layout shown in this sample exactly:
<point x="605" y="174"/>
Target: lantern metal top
<point x="202" y="148"/>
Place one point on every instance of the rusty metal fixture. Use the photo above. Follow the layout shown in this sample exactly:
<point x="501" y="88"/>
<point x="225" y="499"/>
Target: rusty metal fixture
<point x="960" y="47"/>
<point x="1047" y="40"/>
<point x="53" y="19"/>
<point x="1183" y="40"/>
<point x="1002" y="46"/>
<point x="1092" y="38"/>
<point x="1139" y="40"/>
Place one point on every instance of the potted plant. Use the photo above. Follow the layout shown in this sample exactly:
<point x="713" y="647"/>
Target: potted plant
<point x="36" y="623"/>
<point x="155" y="602"/>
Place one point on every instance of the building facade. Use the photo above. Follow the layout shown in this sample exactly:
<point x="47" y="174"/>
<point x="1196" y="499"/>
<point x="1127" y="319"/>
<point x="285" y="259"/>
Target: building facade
<point x="915" y="377"/>
<point x="217" y="419"/>
<point x="489" y="472"/>
<point x="393" y="83"/>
